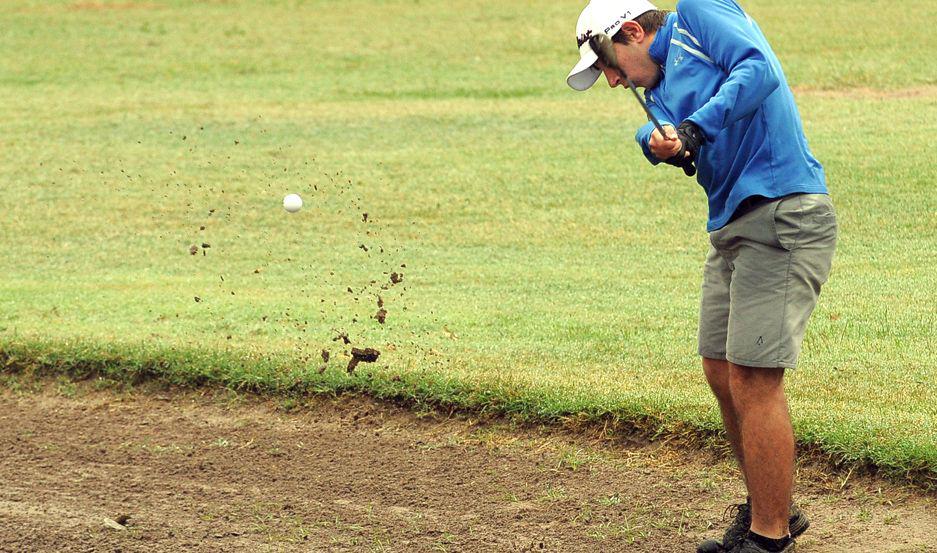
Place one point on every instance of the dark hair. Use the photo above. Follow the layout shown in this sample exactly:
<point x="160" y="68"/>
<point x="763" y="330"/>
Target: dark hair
<point x="649" y="21"/>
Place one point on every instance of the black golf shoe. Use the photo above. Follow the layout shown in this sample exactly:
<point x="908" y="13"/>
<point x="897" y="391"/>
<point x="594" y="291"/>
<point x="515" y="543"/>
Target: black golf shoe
<point x="737" y="531"/>
<point x="748" y="546"/>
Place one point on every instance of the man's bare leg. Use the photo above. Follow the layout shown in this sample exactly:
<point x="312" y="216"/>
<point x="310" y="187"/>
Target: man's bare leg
<point x="767" y="441"/>
<point x="717" y="374"/>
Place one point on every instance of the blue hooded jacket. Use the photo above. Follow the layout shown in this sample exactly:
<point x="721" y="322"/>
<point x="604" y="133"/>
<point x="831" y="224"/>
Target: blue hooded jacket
<point x="719" y="72"/>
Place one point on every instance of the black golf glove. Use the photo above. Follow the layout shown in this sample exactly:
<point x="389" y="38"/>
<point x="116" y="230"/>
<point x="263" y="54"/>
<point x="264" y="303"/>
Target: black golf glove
<point x="691" y="138"/>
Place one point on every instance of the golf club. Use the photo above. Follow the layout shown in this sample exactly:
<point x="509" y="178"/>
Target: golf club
<point x="601" y="44"/>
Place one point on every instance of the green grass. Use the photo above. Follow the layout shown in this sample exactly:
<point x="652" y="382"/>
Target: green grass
<point x="549" y="269"/>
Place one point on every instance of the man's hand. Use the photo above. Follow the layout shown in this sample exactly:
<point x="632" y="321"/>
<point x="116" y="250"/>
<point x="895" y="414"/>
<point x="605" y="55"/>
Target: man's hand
<point x="689" y="138"/>
<point x="665" y="147"/>
<point x="679" y="147"/>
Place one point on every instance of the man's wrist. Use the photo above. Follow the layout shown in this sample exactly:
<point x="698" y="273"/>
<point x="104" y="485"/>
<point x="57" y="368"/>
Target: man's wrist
<point x="691" y="136"/>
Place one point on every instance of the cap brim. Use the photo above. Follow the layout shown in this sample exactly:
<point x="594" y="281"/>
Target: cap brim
<point x="584" y="75"/>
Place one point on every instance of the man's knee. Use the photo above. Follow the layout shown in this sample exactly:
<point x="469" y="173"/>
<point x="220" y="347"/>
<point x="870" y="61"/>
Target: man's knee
<point x="717" y="375"/>
<point x="754" y="384"/>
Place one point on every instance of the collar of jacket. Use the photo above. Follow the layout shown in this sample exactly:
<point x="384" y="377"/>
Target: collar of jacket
<point x="661" y="45"/>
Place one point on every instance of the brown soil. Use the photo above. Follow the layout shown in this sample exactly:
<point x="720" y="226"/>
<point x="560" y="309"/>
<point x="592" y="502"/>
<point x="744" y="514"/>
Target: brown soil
<point x="214" y="471"/>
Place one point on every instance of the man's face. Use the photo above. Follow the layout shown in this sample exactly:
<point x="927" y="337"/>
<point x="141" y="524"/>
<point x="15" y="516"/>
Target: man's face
<point x="634" y="60"/>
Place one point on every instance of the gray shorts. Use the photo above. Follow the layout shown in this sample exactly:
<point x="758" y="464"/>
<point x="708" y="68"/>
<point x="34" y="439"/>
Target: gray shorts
<point x="762" y="279"/>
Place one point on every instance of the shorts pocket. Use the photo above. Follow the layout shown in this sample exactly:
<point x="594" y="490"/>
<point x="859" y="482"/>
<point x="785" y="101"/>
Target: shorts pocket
<point x="803" y="218"/>
<point x="787" y="220"/>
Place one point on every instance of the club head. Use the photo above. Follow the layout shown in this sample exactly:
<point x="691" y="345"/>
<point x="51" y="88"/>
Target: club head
<point x="601" y="44"/>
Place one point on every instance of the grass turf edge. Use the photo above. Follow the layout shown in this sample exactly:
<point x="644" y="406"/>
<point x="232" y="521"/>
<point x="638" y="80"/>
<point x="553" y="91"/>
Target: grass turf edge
<point x="284" y="376"/>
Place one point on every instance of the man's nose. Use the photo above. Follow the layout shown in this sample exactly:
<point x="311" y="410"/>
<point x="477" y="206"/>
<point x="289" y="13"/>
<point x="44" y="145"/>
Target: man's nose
<point x="614" y="79"/>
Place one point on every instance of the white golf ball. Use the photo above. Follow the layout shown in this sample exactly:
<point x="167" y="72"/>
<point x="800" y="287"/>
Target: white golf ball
<point x="292" y="203"/>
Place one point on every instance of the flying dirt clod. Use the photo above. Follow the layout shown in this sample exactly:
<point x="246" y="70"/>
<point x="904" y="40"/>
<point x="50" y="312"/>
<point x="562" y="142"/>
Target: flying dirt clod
<point x="366" y="355"/>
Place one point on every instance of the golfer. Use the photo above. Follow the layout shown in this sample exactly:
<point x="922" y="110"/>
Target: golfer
<point x="713" y="82"/>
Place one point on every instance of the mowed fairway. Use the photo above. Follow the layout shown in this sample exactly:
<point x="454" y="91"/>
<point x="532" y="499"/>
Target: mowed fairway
<point x="548" y="269"/>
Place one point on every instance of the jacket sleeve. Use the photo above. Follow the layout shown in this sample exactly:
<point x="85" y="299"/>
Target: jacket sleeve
<point x="643" y="136"/>
<point x="729" y="37"/>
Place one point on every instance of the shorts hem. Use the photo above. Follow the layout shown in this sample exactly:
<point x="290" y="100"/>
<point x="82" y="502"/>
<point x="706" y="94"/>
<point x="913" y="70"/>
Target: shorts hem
<point x="711" y="355"/>
<point x="780" y="364"/>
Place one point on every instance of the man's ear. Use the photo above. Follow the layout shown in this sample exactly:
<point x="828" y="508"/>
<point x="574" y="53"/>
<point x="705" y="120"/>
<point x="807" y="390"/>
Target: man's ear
<point x="634" y="31"/>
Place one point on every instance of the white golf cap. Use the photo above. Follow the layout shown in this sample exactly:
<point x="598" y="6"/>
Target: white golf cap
<point x="600" y="16"/>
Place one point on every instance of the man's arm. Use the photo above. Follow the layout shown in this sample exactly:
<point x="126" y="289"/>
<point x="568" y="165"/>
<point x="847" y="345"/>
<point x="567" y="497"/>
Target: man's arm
<point x="724" y="32"/>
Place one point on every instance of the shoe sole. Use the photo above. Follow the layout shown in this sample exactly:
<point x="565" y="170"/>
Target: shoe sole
<point x="797" y="526"/>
